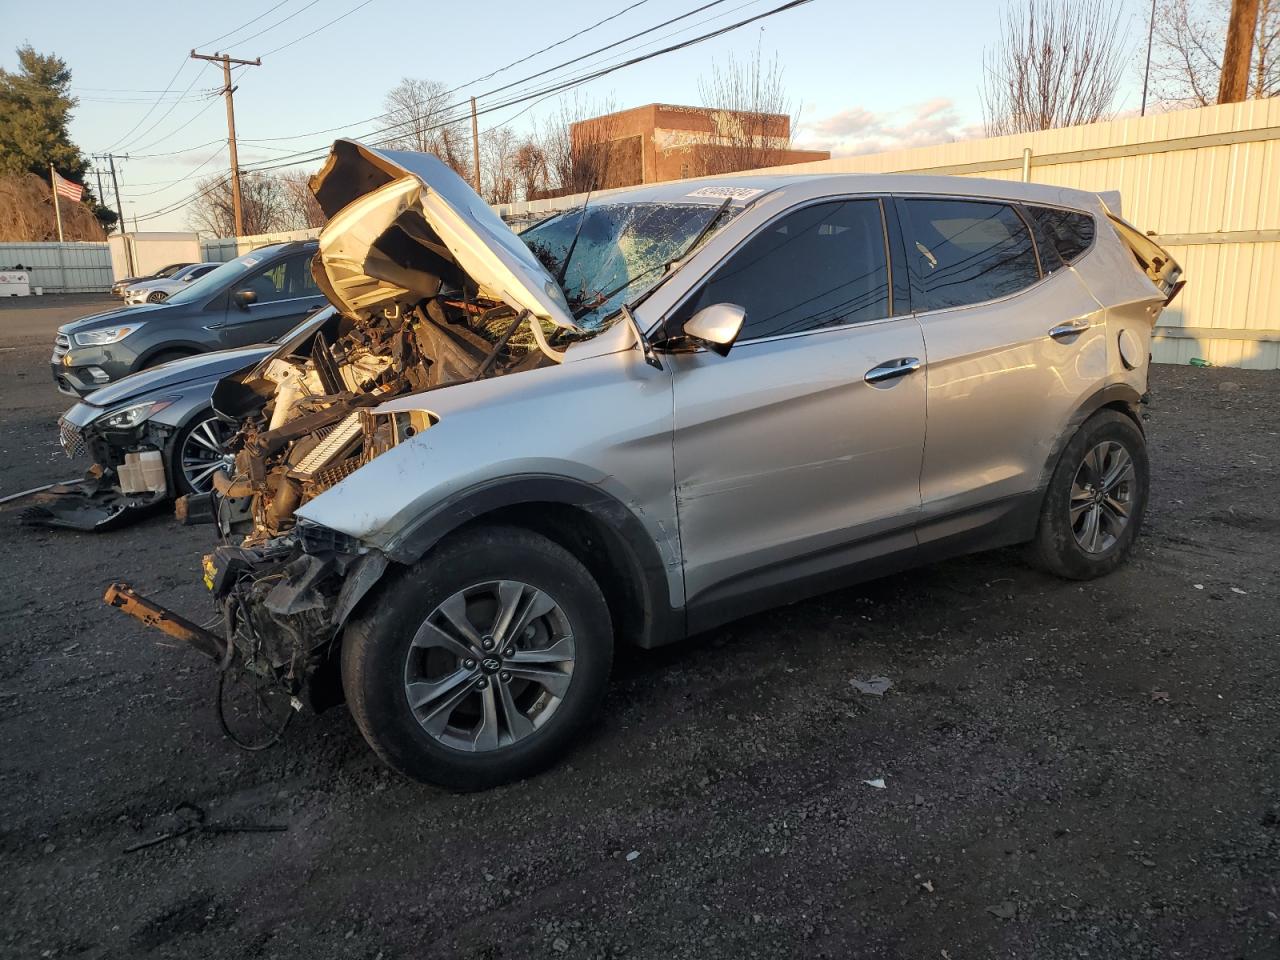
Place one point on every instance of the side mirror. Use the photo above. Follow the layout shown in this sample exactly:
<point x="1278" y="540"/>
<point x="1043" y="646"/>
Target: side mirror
<point x="716" y="327"/>
<point x="244" y="298"/>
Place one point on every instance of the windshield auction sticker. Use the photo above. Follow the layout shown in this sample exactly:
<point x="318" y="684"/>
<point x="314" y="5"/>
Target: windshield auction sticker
<point x="720" y="193"/>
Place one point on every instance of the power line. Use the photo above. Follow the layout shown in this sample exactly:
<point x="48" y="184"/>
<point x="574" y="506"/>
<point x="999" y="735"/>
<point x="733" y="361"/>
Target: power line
<point x="162" y="116"/>
<point x="306" y="156"/>
<point x="190" y="120"/>
<point x="253" y="36"/>
<point x="210" y="43"/>
<point x="143" y="119"/>
<point x="318" y="29"/>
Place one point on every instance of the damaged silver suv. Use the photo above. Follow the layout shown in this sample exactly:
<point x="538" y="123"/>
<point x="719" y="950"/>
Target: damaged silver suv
<point x="667" y="408"/>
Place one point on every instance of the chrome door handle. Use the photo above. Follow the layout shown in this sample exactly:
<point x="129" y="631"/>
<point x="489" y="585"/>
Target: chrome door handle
<point x="892" y="369"/>
<point x="1072" y="328"/>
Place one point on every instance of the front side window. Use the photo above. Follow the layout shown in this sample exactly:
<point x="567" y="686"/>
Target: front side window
<point x="286" y="280"/>
<point x="820" y="266"/>
<point x="967" y="251"/>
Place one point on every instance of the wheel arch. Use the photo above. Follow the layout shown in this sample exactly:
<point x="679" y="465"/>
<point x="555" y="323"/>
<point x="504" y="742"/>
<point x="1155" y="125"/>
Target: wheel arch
<point x="183" y="347"/>
<point x="594" y="526"/>
<point x="1120" y="397"/>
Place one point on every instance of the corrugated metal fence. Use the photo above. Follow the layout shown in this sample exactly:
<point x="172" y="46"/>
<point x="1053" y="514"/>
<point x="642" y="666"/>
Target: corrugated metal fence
<point x="228" y="248"/>
<point x="1207" y="181"/>
<point x="61" y="267"/>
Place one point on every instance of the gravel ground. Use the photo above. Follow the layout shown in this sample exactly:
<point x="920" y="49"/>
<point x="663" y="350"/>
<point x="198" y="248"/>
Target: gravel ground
<point x="1070" y="770"/>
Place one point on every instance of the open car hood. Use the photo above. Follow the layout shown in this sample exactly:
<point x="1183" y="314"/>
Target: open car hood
<point x="402" y="223"/>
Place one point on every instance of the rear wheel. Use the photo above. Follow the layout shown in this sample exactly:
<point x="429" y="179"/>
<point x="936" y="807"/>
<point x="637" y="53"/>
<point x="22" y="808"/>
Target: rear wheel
<point x="1096" y="499"/>
<point x="482" y="663"/>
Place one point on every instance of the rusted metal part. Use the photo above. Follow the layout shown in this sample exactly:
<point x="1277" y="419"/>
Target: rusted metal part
<point x="123" y="598"/>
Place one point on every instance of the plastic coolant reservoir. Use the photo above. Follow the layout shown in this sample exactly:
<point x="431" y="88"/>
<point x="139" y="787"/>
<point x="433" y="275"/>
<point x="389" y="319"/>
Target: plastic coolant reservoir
<point x="142" y="473"/>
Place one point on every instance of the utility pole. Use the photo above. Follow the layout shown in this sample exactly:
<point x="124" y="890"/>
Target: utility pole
<point x="227" y="91"/>
<point x="102" y="197"/>
<point x="1234" y="83"/>
<point x="475" y="146"/>
<point x="115" y="186"/>
<point x="1146" y="74"/>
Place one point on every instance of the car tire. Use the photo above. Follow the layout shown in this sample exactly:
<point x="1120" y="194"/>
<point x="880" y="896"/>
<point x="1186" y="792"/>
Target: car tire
<point x="1096" y="501"/>
<point x="214" y="435"/>
<point x="400" y="654"/>
<point x="157" y="296"/>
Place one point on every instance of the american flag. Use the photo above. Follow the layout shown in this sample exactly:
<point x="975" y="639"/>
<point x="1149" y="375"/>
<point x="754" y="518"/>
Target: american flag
<point x="65" y="188"/>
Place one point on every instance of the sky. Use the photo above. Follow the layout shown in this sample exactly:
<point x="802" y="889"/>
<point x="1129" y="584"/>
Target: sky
<point x="866" y="75"/>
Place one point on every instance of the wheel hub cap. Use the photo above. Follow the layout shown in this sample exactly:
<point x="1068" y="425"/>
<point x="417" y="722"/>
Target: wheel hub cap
<point x="489" y="666"/>
<point x="1102" y="497"/>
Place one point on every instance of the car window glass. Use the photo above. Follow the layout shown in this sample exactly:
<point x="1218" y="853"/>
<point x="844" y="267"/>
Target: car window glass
<point x="283" y="280"/>
<point x="968" y="251"/>
<point x="821" y="266"/>
<point x="1071" y="233"/>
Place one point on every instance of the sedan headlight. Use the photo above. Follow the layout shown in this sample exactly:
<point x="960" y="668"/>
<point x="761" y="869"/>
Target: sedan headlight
<point x="125" y="418"/>
<point x="98" y="338"/>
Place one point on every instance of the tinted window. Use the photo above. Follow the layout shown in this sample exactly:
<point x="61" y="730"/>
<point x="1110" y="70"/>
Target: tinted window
<point x="1070" y="233"/>
<point x="285" y="280"/>
<point x="822" y="266"/>
<point x="967" y="251"/>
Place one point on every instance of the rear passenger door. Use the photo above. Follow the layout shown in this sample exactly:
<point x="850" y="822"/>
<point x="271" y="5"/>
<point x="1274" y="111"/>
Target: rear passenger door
<point x="285" y="293"/>
<point x="790" y="464"/>
<point x="1013" y="347"/>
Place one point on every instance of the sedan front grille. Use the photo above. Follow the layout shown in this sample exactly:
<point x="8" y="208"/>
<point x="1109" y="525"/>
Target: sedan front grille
<point x="71" y="439"/>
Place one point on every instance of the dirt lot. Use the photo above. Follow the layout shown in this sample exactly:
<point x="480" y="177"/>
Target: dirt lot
<point x="1070" y="770"/>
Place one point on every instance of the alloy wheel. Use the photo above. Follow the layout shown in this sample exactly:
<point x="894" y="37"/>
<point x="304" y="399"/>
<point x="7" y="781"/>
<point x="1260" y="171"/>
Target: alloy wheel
<point x="205" y="451"/>
<point x="489" y="666"/>
<point x="1102" y="497"/>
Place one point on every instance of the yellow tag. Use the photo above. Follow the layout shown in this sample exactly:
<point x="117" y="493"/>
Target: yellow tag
<point x="206" y="562"/>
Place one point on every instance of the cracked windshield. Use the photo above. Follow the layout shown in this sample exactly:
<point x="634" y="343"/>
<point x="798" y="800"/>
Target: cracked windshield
<point x="618" y="251"/>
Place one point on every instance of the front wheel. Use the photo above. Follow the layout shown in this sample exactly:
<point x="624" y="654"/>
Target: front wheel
<point x="157" y="296"/>
<point x="1096" y="499"/>
<point x="482" y="663"/>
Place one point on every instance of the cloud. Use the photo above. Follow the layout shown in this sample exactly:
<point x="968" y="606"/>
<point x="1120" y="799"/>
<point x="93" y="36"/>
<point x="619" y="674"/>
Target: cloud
<point x="858" y="130"/>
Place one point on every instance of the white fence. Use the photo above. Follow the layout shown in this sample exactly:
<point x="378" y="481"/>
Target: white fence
<point x="61" y="267"/>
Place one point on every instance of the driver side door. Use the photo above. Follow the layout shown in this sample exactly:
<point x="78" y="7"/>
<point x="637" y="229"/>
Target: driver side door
<point x="284" y="294"/>
<point x="798" y="455"/>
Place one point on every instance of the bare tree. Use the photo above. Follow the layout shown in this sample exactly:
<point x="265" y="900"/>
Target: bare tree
<point x="1058" y="63"/>
<point x="419" y="111"/>
<point x="497" y="165"/>
<point x="264" y="200"/>
<point x="1187" y="55"/>
<point x="529" y="166"/>
<point x="302" y="210"/>
<point x="752" y="121"/>
<point x="578" y="145"/>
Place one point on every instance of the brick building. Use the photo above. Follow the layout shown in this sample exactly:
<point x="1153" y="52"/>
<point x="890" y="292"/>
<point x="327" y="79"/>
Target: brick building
<point x="659" y="142"/>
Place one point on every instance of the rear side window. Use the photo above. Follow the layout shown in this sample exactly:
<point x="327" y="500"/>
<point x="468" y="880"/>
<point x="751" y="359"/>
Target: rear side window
<point x="820" y="266"/>
<point x="967" y="251"/>
<point x="1070" y="233"/>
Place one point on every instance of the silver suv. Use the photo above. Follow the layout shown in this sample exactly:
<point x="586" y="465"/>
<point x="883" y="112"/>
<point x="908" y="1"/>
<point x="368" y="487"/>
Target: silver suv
<point x="671" y="407"/>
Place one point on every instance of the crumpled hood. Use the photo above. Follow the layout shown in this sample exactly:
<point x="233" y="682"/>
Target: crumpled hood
<point x="176" y="373"/>
<point x="401" y="221"/>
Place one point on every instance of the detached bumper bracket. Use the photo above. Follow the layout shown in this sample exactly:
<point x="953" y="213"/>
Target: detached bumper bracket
<point x="123" y="598"/>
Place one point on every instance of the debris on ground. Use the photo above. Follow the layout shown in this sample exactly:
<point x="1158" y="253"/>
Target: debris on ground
<point x="1005" y="910"/>
<point x="1160" y="696"/>
<point x="873" y="686"/>
<point x="193" y="819"/>
<point x="633" y="855"/>
<point x="878" y="783"/>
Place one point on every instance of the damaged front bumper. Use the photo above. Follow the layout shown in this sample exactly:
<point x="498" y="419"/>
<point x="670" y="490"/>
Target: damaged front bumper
<point x="126" y="481"/>
<point x="281" y="604"/>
